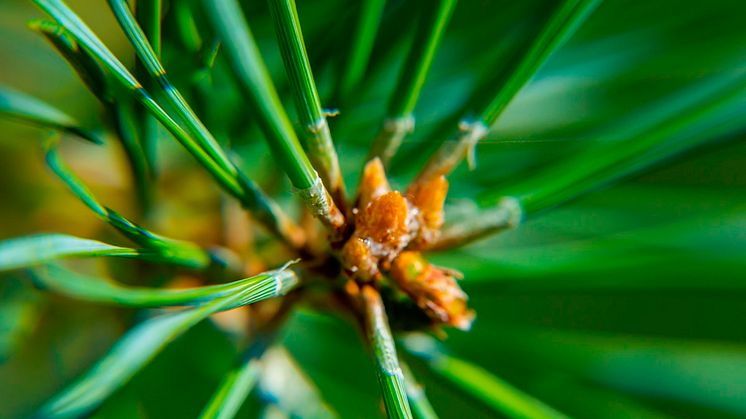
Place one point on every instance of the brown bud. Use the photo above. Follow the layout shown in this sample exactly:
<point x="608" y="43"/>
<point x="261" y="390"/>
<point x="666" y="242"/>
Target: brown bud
<point x="373" y="183"/>
<point x="386" y="222"/>
<point x="433" y="289"/>
<point x="428" y="196"/>
<point x="358" y="259"/>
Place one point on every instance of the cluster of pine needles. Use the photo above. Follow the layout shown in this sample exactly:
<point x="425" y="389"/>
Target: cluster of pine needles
<point x="361" y="255"/>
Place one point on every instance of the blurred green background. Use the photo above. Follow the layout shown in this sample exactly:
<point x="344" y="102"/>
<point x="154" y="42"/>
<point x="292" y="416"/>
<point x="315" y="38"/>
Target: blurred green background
<point x="627" y="302"/>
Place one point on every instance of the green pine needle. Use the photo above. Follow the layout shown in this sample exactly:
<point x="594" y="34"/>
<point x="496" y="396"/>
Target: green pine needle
<point x="84" y="65"/>
<point x="177" y="252"/>
<point x="361" y="46"/>
<point x="120" y="111"/>
<point x="421" y="407"/>
<point x="400" y="120"/>
<point x="98" y="290"/>
<point x="390" y="375"/>
<point x="613" y="159"/>
<point x="138" y="347"/>
<point x="604" y="162"/>
<point x="315" y="136"/>
<point x="149" y="15"/>
<point x="86" y="39"/>
<point x="256" y="84"/>
<point x="152" y="64"/>
<point x="24" y="252"/>
<point x="562" y="24"/>
<point x="491" y="390"/>
<point x="564" y="21"/>
<point x="32" y="110"/>
<point x="284" y="385"/>
<point x="234" y="182"/>
<point x="237" y="384"/>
